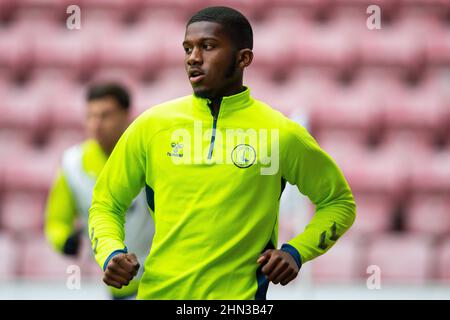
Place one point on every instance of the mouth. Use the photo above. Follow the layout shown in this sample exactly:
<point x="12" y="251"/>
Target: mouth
<point x="196" y="76"/>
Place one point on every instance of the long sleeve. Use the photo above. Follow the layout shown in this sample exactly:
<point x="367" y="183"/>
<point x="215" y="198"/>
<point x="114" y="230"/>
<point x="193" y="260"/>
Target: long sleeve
<point x="317" y="176"/>
<point x="120" y="181"/>
<point x="60" y="213"/>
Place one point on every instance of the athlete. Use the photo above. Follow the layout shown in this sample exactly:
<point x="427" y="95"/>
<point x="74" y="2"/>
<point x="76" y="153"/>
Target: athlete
<point x="214" y="165"/>
<point x="70" y="196"/>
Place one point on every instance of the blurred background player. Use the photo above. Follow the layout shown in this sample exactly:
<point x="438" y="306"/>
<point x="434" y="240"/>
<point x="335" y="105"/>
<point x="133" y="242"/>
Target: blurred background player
<point x="108" y="115"/>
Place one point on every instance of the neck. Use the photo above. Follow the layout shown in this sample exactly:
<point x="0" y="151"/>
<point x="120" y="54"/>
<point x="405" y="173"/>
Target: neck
<point x="216" y="101"/>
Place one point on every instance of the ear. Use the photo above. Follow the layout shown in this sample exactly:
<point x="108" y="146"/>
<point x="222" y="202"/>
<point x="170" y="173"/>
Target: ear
<point x="245" y="58"/>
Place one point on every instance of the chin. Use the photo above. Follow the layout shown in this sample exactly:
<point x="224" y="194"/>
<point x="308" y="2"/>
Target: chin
<point x="202" y="93"/>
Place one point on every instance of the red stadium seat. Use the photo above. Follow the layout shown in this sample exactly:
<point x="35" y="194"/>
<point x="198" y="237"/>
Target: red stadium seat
<point x="268" y="55"/>
<point x="67" y="50"/>
<point x="374" y="214"/>
<point x="428" y="215"/>
<point x="301" y="91"/>
<point x="131" y="49"/>
<point x="392" y="48"/>
<point x="431" y="174"/>
<point x="68" y="108"/>
<point x="14" y="52"/>
<point x="320" y="47"/>
<point x="345" y="147"/>
<point x="376" y="172"/>
<point x="443" y="261"/>
<point x="32" y="170"/>
<point x="22" y="212"/>
<point x="400" y="143"/>
<point x="8" y="265"/>
<point x="402" y="258"/>
<point x="24" y="109"/>
<point x="13" y="143"/>
<point x="418" y="110"/>
<point x="172" y="83"/>
<point x="347" y="109"/>
<point x="342" y="263"/>
<point x="438" y="48"/>
<point x="39" y="260"/>
<point x="169" y="29"/>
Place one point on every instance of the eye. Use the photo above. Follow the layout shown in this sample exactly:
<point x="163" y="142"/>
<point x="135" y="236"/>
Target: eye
<point x="187" y="50"/>
<point x="208" y="47"/>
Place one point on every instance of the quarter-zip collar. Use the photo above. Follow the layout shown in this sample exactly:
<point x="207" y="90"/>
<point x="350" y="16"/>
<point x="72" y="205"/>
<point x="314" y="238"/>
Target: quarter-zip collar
<point x="228" y="104"/>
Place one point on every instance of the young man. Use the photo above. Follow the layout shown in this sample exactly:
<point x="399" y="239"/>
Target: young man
<point x="214" y="165"/>
<point x="71" y="194"/>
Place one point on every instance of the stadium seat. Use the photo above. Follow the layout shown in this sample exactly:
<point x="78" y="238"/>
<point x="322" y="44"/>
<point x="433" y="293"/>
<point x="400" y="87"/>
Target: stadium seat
<point x="30" y="171"/>
<point x="374" y="214"/>
<point x="172" y="83"/>
<point x="390" y="48"/>
<point x="302" y="89"/>
<point x="376" y="172"/>
<point x="438" y="48"/>
<point x="402" y="258"/>
<point x="321" y="47"/>
<point x="22" y="212"/>
<point x="67" y="50"/>
<point x="68" y="108"/>
<point x="443" y="261"/>
<point x="342" y="263"/>
<point x="169" y="29"/>
<point x="268" y="55"/>
<point x="7" y="9"/>
<point x="345" y="147"/>
<point x="132" y="49"/>
<point x="419" y="110"/>
<point x="350" y="110"/>
<point x="24" y="109"/>
<point x="13" y="144"/>
<point x="15" y="56"/>
<point x="431" y="174"/>
<point x="40" y="261"/>
<point x="8" y="265"/>
<point x="428" y="215"/>
<point x="59" y="140"/>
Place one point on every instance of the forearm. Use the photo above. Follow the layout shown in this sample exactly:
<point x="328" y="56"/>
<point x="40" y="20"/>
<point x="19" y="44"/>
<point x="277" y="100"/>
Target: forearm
<point x="57" y="234"/>
<point x="60" y="213"/>
<point x="328" y="224"/>
<point x="106" y="231"/>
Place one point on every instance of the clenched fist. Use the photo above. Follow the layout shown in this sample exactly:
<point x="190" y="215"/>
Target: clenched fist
<point x="121" y="269"/>
<point x="278" y="266"/>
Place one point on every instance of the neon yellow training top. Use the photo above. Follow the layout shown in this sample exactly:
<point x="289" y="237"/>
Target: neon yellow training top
<point x="215" y="185"/>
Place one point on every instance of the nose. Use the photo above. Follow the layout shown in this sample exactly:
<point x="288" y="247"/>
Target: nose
<point x="93" y="126"/>
<point x="195" y="58"/>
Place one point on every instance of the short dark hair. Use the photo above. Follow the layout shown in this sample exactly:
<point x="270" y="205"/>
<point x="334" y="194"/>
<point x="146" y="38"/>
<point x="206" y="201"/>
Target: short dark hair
<point x="234" y="23"/>
<point x="113" y="90"/>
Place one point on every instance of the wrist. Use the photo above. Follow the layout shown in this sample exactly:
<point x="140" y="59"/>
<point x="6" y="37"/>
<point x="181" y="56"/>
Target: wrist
<point x="293" y="252"/>
<point x="114" y="253"/>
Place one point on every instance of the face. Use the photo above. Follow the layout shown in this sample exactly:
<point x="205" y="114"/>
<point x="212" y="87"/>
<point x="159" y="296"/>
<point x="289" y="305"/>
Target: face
<point x="105" y="122"/>
<point x="214" y="66"/>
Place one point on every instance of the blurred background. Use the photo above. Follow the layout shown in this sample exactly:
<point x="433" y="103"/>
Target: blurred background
<point x="378" y="101"/>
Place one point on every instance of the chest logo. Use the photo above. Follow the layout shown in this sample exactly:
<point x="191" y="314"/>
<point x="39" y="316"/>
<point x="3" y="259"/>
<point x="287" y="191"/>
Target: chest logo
<point x="243" y="155"/>
<point x="177" y="150"/>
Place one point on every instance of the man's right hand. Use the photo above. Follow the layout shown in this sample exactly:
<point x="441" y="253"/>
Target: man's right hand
<point x="121" y="269"/>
